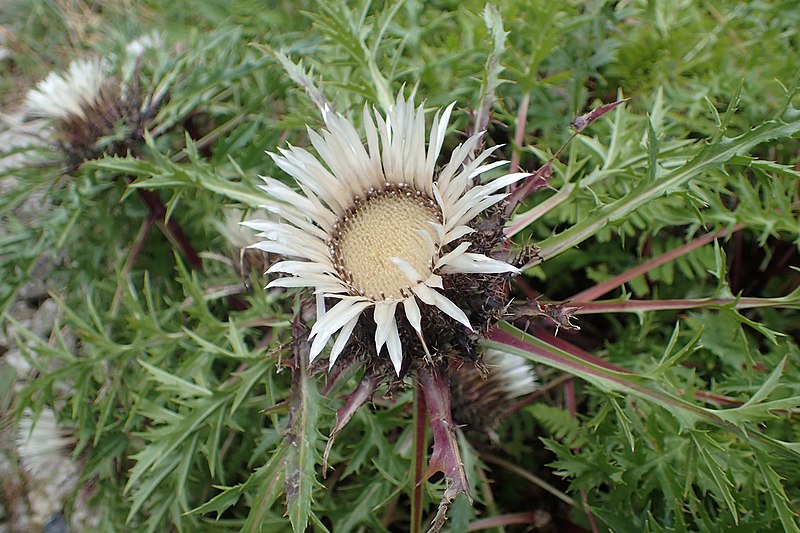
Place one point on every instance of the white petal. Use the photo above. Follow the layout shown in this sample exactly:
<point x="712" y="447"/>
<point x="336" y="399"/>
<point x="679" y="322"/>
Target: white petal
<point x="308" y="204"/>
<point x="300" y="268"/>
<point x="395" y="347"/>
<point x="341" y="340"/>
<point x="304" y="281"/>
<point x="424" y="293"/>
<point x="339" y="315"/>
<point x="451" y="309"/>
<point x="485" y="168"/>
<point x="478" y="194"/>
<point x="384" y="317"/>
<point x="434" y="281"/>
<point x="412" y="313"/>
<point x="449" y="256"/>
<point x="459" y="183"/>
<point x="320" y="301"/>
<point x="476" y="210"/>
<point x="438" y="130"/>
<point x="282" y="249"/>
<point x="456" y="159"/>
<point x="432" y="246"/>
<point x="469" y="263"/>
<point x="299" y="220"/>
<point x="409" y="271"/>
<point x="456" y="233"/>
<point x="432" y="297"/>
<point x="374" y="150"/>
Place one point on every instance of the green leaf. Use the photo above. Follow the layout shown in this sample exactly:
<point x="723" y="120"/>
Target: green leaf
<point x="705" y="449"/>
<point x="175" y="384"/>
<point x="710" y="156"/>
<point x="777" y="494"/>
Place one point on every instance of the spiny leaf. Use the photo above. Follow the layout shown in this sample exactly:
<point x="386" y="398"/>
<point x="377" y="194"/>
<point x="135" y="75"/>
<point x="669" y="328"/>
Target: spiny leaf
<point x="712" y="155"/>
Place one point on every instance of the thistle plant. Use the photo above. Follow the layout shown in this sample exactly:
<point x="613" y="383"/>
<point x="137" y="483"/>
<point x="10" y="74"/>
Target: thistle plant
<point x="595" y="194"/>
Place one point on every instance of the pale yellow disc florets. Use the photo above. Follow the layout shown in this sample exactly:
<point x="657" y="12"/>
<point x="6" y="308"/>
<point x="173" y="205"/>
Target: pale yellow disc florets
<point x="384" y="225"/>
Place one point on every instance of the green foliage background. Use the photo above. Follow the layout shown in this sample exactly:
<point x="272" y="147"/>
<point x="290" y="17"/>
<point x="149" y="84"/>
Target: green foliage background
<point x="180" y="403"/>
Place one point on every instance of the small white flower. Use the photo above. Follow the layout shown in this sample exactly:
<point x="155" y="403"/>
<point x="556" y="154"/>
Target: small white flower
<point x="144" y="42"/>
<point x="67" y="95"/>
<point x="374" y="225"/>
<point x="511" y="373"/>
<point x="41" y="444"/>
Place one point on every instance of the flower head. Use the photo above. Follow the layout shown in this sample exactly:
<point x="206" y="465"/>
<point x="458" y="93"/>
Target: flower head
<point x="377" y="228"/>
<point x="480" y="400"/>
<point x="93" y="113"/>
<point x="42" y="444"/>
<point x="67" y="95"/>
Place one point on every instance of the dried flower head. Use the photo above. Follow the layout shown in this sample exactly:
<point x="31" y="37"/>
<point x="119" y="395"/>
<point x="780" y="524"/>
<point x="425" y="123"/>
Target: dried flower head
<point x="93" y="113"/>
<point x="377" y="230"/>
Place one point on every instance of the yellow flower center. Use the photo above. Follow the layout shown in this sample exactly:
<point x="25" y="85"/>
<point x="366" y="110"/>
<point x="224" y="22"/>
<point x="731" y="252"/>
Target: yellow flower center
<point x="388" y="223"/>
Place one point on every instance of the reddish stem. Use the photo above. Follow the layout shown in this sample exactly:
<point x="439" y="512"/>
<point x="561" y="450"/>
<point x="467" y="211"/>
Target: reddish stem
<point x="562" y="344"/>
<point x="569" y="392"/>
<point x="446" y="455"/>
<point x="420" y="447"/>
<point x="531" y="517"/>
<point x="172" y="230"/>
<point x="607" y="286"/>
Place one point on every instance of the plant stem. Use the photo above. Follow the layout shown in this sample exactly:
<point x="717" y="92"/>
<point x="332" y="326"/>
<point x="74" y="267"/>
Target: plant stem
<point x="636" y="306"/>
<point x="420" y="447"/>
<point x="600" y="289"/>
<point x="171" y="229"/>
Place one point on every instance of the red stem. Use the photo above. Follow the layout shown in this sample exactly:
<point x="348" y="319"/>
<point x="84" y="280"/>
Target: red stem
<point x="172" y="230"/>
<point x="420" y="447"/>
<point x="607" y="286"/>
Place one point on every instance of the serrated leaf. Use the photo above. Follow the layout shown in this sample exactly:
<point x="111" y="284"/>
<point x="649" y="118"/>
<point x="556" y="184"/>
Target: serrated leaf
<point x="777" y="494"/>
<point x="769" y="385"/>
<point x="723" y="484"/>
<point x="709" y="156"/>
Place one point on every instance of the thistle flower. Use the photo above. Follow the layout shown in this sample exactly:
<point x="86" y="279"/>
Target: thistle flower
<point x="92" y="112"/>
<point x="480" y="400"/>
<point x="42" y="445"/>
<point x="51" y="476"/>
<point x="378" y="230"/>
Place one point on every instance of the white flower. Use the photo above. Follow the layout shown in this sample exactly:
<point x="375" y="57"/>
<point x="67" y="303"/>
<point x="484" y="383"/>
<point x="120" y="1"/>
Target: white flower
<point x="62" y="96"/>
<point x="373" y="226"/>
<point x="41" y="444"/>
<point x="143" y="43"/>
<point x="511" y="372"/>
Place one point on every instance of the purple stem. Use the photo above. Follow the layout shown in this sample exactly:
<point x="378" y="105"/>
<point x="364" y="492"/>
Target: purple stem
<point x="420" y="447"/>
<point x="446" y="456"/>
<point x="602" y="288"/>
